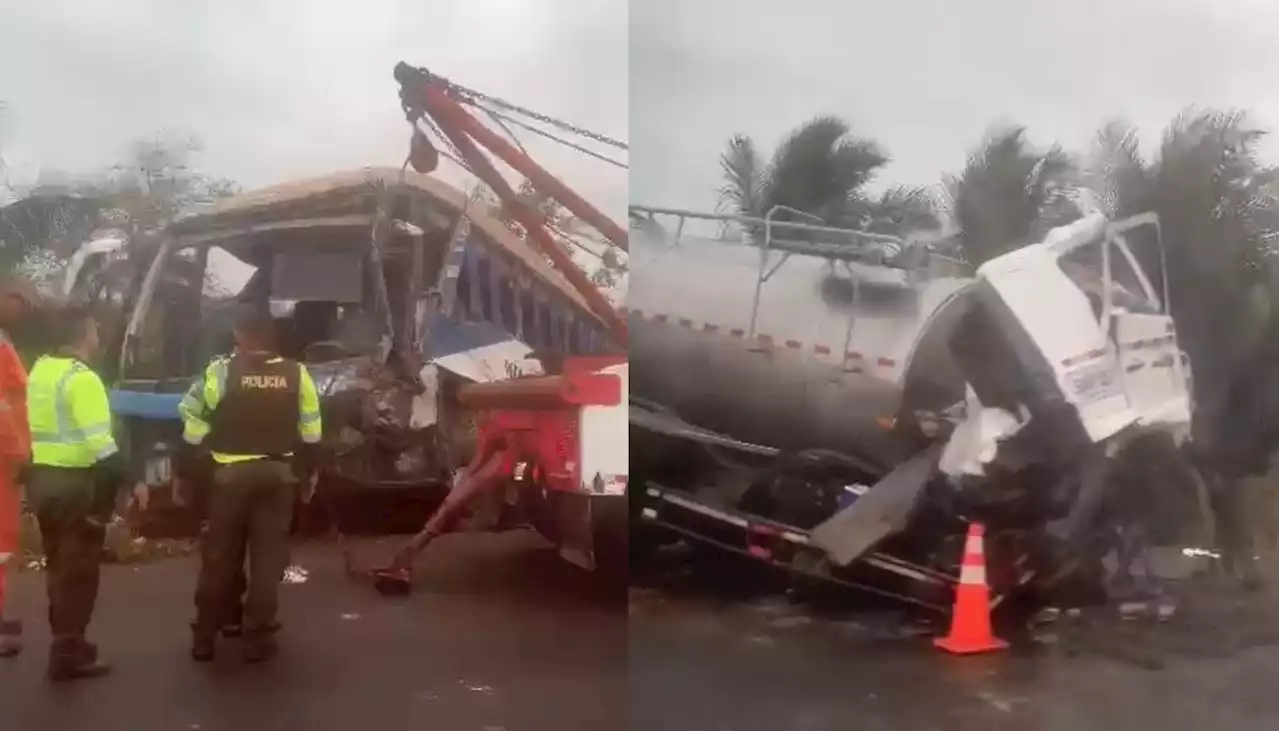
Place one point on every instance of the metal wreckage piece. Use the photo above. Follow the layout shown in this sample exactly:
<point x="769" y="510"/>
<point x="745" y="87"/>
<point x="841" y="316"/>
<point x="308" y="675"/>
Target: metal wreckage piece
<point x="374" y="425"/>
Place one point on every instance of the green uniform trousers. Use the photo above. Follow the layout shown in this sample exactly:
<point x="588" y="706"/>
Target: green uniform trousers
<point x="203" y="483"/>
<point x="250" y="509"/>
<point x="70" y="507"/>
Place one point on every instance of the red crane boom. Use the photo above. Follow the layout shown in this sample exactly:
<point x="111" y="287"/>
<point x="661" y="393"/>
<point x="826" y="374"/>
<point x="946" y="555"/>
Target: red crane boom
<point x="423" y="93"/>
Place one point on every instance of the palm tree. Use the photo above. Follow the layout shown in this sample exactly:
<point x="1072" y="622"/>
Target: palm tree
<point x="1009" y="194"/>
<point x="1218" y="212"/>
<point x="898" y="210"/>
<point x="822" y="169"/>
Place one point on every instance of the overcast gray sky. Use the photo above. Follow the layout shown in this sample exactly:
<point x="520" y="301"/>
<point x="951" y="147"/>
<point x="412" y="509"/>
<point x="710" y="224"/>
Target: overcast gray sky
<point x="928" y="77"/>
<point x="296" y="87"/>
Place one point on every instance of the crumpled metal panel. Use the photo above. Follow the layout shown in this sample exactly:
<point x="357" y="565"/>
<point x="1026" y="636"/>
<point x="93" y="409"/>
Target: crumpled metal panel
<point x="341" y="375"/>
<point x="370" y="410"/>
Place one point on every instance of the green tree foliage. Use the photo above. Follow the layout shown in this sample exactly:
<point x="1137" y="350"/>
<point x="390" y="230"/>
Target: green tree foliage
<point x="1218" y="216"/>
<point x="44" y="224"/>
<point x="1009" y="194"/>
<point x="158" y="181"/>
<point x="136" y="197"/>
<point x="820" y="168"/>
<point x="140" y="196"/>
<point x="132" y="200"/>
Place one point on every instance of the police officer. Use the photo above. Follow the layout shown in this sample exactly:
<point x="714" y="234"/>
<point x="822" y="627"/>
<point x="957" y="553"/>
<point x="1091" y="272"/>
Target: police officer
<point x="258" y="415"/>
<point x="75" y="472"/>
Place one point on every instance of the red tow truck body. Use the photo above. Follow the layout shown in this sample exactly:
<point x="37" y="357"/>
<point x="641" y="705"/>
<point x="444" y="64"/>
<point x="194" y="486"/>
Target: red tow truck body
<point x="567" y="431"/>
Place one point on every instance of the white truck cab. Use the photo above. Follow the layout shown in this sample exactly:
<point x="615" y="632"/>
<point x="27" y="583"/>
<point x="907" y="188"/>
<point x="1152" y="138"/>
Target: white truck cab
<point x="1070" y="332"/>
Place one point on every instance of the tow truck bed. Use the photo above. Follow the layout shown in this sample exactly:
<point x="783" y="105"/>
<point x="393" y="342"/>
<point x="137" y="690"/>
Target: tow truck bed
<point x="787" y="548"/>
<point x="864" y="531"/>
<point x="707" y="515"/>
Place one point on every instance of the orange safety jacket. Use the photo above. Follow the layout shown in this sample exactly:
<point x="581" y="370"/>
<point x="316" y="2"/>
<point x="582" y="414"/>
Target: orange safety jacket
<point x="15" y="449"/>
<point x="15" y="432"/>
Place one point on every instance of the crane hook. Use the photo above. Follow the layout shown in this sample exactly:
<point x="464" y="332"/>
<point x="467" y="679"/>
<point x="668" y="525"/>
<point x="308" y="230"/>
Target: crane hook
<point x="423" y="155"/>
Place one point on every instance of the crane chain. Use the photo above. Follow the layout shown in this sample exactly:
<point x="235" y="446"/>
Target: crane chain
<point x="478" y="97"/>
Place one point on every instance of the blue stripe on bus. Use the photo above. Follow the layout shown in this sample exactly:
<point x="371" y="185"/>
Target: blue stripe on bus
<point x="145" y="404"/>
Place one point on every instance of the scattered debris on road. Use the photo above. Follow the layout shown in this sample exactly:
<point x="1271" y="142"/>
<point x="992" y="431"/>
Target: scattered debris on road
<point x="474" y="688"/>
<point x="294" y="575"/>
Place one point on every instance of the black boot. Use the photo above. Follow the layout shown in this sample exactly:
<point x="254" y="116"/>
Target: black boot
<point x="10" y="637"/>
<point x="260" y="646"/>
<point x="235" y="629"/>
<point x="203" y="644"/>
<point x="87" y="650"/>
<point x="71" y="658"/>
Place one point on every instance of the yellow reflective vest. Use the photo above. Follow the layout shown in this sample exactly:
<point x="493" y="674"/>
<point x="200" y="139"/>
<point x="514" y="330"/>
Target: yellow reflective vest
<point x="69" y="414"/>
<point x="200" y="401"/>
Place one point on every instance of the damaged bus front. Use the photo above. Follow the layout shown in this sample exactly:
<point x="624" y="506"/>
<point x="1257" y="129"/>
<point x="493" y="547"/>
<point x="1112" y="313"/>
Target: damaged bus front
<point x="392" y="287"/>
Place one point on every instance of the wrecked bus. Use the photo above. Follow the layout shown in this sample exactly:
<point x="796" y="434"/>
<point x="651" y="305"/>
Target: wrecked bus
<point x="393" y="287"/>
<point x="838" y="404"/>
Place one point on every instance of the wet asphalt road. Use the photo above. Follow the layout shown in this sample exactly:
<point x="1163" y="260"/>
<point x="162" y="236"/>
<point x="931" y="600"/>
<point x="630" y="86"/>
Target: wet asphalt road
<point x="715" y="660"/>
<point x="501" y="635"/>
<point x="497" y="635"/>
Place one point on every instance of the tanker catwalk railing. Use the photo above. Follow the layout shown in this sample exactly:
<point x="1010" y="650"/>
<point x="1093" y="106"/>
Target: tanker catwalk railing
<point x="858" y="246"/>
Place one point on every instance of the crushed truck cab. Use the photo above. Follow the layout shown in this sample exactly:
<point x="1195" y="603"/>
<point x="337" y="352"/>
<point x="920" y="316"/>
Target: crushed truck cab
<point x="1072" y="331"/>
<point x="1065" y="344"/>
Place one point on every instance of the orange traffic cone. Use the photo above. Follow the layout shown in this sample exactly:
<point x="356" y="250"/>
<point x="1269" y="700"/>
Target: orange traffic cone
<point x="971" y="619"/>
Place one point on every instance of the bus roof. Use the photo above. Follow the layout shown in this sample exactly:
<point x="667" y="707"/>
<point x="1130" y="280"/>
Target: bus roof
<point x="328" y="194"/>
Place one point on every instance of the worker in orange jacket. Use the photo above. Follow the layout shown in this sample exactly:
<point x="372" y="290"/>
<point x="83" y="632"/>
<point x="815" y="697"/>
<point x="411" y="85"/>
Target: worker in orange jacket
<point x="15" y="449"/>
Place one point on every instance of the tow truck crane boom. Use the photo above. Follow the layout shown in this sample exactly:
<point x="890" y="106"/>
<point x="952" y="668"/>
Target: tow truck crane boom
<point x="425" y="94"/>
<point x="565" y="428"/>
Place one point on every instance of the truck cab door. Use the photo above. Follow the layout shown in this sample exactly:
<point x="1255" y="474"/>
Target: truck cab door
<point x="1154" y="368"/>
<point x="1153" y="372"/>
<point x="1050" y="352"/>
